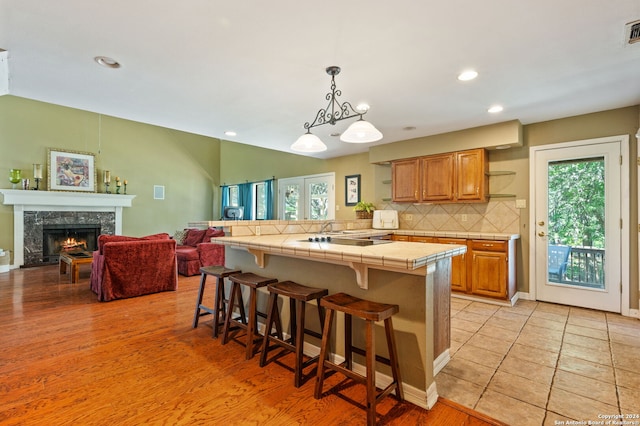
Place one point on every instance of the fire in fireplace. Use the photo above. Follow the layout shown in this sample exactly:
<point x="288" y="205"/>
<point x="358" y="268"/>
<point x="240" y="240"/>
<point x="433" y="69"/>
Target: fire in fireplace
<point x="68" y="237"/>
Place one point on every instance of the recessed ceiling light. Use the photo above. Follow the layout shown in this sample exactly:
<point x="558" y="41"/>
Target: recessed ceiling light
<point x="494" y="109"/>
<point x="503" y="146"/>
<point x="467" y="75"/>
<point x="230" y="133"/>
<point x="107" y="62"/>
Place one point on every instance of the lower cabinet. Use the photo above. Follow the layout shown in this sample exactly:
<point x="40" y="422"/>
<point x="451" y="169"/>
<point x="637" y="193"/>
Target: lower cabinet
<point x="487" y="268"/>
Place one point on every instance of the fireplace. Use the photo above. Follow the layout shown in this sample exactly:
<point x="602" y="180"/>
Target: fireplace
<point x="33" y="210"/>
<point x="65" y="237"/>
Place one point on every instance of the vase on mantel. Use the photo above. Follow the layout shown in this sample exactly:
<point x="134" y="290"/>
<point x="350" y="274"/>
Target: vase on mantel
<point x="14" y="177"/>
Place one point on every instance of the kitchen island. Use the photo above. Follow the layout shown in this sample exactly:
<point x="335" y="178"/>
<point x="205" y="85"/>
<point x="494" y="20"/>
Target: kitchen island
<point x="414" y="276"/>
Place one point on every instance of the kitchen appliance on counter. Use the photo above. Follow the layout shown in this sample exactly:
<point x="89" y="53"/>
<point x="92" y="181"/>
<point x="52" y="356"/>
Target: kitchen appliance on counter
<point x="385" y="219"/>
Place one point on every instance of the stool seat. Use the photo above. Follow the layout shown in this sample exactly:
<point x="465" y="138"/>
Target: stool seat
<point x="370" y="312"/>
<point x="365" y="309"/>
<point x="253" y="282"/>
<point x="298" y="296"/>
<point x="218" y="309"/>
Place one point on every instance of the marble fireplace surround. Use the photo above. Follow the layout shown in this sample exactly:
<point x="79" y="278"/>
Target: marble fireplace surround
<point x="51" y="201"/>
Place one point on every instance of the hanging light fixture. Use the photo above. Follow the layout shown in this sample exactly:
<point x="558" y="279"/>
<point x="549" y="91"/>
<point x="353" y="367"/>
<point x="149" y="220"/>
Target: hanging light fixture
<point x="359" y="132"/>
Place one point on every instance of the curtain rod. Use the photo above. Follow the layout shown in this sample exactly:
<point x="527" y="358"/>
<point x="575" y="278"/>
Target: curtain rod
<point x="257" y="181"/>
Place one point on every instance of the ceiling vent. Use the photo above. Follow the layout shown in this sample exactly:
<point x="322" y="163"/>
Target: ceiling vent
<point x="632" y="32"/>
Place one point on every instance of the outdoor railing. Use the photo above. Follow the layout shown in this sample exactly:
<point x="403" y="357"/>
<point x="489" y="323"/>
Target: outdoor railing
<point x="585" y="267"/>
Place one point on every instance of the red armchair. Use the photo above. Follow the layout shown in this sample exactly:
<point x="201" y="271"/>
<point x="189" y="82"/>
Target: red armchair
<point x="197" y="250"/>
<point x="127" y="266"/>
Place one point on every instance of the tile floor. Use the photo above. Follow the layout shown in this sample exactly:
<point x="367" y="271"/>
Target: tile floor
<point x="542" y="364"/>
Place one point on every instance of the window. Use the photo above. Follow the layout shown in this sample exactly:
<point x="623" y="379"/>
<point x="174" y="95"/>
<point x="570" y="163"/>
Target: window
<point x="307" y="197"/>
<point x="256" y="198"/>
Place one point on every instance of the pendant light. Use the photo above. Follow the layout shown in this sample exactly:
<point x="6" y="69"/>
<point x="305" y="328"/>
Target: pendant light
<point x="359" y="132"/>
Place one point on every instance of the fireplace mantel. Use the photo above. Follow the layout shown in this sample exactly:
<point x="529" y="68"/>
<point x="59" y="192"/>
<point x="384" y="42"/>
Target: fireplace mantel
<point x="29" y="200"/>
<point x="64" y="199"/>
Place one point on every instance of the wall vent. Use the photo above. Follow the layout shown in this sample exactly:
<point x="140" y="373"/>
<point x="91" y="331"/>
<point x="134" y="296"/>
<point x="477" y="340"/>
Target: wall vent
<point x="632" y="32"/>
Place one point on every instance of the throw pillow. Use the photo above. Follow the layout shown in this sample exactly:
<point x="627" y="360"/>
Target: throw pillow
<point x="194" y="237"/>
<point x="180" y="236"/>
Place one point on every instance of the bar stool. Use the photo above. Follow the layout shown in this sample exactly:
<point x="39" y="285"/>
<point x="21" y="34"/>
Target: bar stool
<point x="220" y="273"/>
<point x="298" y="296"/>
<point x="254" y="282"/>
<point x="370" y="312"/>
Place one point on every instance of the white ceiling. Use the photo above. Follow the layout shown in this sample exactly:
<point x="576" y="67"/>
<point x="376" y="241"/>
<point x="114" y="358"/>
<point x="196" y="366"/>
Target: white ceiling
<point x="258" y="67"/>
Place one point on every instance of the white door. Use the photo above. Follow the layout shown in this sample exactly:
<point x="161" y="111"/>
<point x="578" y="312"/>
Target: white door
<point x="307" y="197"/>
<point x="576" y="237"/>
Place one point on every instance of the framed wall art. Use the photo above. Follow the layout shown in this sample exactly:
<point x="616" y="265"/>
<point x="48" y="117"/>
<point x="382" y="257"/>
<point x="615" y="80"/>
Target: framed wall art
<point x="71" y="171"/>
<point x="351" y="190"/>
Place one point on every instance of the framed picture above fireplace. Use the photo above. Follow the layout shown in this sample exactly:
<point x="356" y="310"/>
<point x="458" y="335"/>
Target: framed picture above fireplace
<point x="71" y="171"/>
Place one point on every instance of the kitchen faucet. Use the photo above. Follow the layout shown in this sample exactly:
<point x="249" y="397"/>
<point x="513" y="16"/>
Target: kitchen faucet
<point x="324" y="226"/>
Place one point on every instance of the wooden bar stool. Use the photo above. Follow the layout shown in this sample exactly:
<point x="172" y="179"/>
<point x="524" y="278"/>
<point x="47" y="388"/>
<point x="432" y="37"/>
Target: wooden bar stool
<point x="298" y="296"/>
<point x="370" y="312"/>
<point x="218" y="310"/>
<point x="254" y="282"/>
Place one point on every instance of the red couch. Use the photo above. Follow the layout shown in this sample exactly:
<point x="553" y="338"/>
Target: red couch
<point x="127" y="266"/>
<point x="197" y="250"/>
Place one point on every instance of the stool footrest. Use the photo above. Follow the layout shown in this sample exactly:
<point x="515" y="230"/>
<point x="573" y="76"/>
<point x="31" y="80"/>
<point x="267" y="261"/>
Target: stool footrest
<point x="379" y="358"/>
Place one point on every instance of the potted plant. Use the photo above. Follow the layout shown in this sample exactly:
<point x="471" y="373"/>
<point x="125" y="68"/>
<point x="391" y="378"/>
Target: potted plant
<point x="364" y="210"/>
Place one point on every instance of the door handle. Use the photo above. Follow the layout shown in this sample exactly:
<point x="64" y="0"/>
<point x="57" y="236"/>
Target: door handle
<point x="541" y="234"/>
<point x="541" y="223"/>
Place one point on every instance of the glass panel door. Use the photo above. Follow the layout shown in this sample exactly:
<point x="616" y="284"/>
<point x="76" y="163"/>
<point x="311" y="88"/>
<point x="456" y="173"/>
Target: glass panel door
<point x="577" y="242"/>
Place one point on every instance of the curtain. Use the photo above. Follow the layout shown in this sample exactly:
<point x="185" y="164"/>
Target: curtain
<point x="224" y="198"/>
<point x="245" y="198"/>
<point x="268" y="188"/>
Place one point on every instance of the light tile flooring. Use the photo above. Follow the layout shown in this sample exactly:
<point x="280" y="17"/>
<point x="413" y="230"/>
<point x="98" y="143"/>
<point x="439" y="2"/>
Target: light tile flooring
<point x="541" y="364"/>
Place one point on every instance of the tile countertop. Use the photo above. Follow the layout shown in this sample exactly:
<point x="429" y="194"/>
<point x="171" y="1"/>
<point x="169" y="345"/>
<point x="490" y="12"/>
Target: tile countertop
<point x="396" y="256"/>
<point x="458" y="234"/>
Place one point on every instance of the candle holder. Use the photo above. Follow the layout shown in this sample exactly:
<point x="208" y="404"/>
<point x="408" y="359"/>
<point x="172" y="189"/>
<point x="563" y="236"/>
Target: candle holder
<point x="37" y="184"/>
<point x="106" y="186"/>
<point x="14" y="177"/>
<point x="125" y="187"/>
<point x="117" y="189"/>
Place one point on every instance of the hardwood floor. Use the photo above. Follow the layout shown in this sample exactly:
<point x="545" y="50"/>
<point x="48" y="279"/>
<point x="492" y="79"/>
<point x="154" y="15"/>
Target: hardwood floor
<point x="68" y="359"/>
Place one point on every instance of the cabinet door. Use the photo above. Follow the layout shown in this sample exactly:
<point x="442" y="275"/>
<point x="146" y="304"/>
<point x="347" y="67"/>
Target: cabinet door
<point x="405" y="177"/>
<point x="471" y="179"/>
<point x="458" y="265"/>
<point x="489" y="274"/>
<point x="438" y="177"/>
<point x="395" y="237"/>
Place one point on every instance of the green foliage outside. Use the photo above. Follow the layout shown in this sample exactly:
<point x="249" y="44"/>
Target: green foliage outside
<point x="576" y="203"/>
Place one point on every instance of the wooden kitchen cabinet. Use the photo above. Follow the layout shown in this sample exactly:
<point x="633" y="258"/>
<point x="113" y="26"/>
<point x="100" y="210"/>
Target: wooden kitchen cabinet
<point x="458" y="265"/>
<point x="438" y="173"/>
<point x="487" y="269"/>
<point x="405" y="180"/>
<point x="472" y="182"/>
<point x="493" y="268"/>
<point x="443" y="178"/>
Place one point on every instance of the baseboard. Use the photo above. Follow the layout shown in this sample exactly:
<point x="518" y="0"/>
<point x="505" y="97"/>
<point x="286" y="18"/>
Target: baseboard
<point x="635" y="313"/>
<point x="440" y="362"/>
<point x="481" y="299"/>
<point x="524" y="296"/>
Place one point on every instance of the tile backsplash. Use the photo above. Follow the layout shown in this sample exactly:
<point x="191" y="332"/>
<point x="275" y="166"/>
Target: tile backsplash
<point x="494" y="216"/>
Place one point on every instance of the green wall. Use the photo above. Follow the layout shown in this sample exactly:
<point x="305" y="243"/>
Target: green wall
<point x="145" y="155"/>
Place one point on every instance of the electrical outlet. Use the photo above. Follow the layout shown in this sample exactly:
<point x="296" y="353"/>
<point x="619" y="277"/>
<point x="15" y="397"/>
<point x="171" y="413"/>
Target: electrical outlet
<point x="464" y="218"/>
<point x="521" y="204"/>
<point x="337" y="207"/>
<point x="258" y="230"/>
<point x="408" y="217"/>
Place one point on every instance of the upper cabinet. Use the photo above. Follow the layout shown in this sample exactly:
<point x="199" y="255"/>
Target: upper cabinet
<point x="443" y="178"/>
<point x="405" y="180"/>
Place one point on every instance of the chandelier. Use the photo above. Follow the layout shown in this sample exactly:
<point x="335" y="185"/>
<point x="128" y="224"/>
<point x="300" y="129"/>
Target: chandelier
<point x="359" y="132"/>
